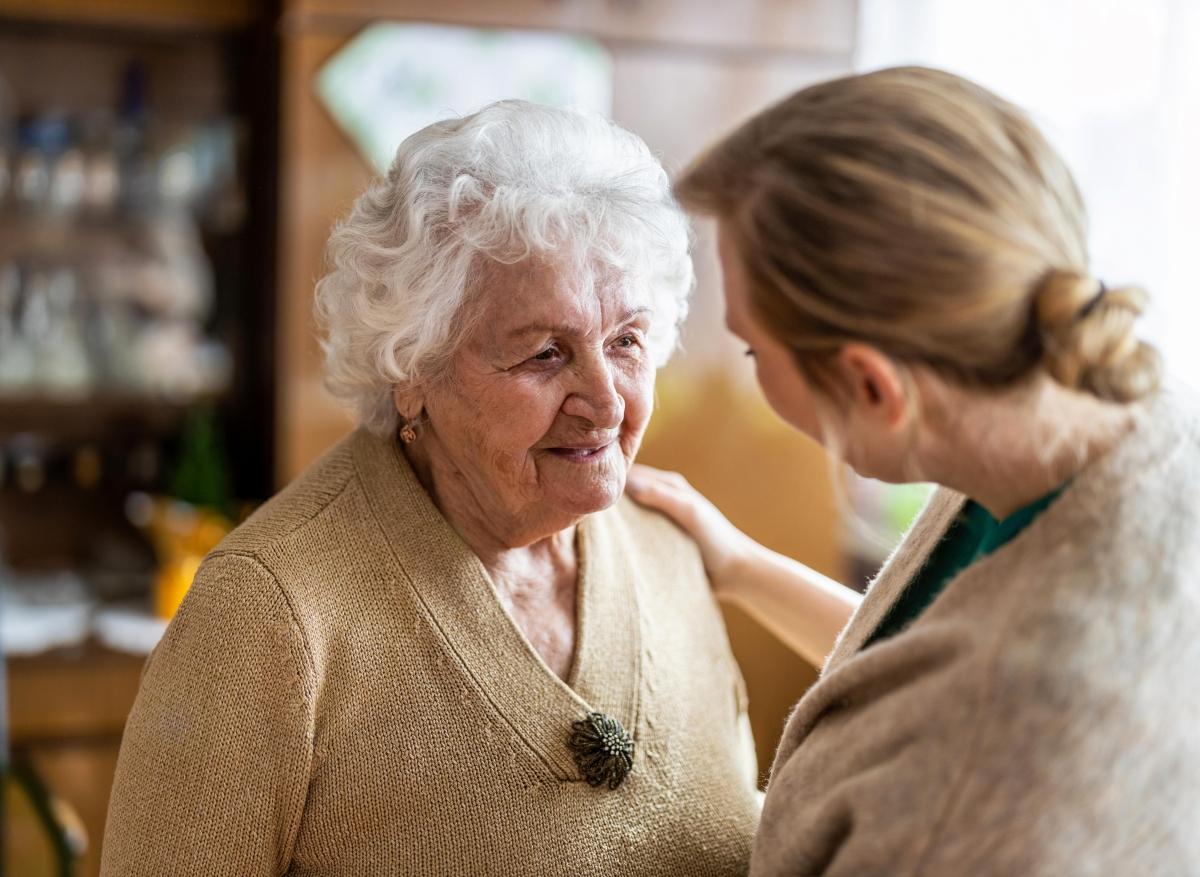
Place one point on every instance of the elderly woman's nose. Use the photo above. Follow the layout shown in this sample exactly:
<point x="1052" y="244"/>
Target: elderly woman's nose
<point x="595" y="397"/>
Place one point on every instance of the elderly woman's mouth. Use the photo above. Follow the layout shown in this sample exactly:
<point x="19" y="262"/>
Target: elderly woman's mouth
<point x="581" y="454"/>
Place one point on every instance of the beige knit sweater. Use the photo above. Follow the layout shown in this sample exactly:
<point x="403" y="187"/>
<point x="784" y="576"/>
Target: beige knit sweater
<point x="342" y="693"/>
<point x="1041" y="718"/>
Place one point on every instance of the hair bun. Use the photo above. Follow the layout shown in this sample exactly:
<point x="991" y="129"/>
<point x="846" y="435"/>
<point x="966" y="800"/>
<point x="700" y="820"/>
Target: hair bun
<point x="1088" y="338"/>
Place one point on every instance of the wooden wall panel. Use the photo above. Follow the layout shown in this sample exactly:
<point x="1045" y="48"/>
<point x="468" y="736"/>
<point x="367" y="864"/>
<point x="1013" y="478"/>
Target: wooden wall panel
<point x="320" y="175"/>
<point x="712" y="423"/>
<point x="753" y="26"/>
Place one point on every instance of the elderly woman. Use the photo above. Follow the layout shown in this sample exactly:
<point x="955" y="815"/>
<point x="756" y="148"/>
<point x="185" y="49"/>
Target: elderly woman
<point x="450" y="647"/>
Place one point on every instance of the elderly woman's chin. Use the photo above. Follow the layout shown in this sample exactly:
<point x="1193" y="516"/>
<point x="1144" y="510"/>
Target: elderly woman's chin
<point x="581" y="481"/>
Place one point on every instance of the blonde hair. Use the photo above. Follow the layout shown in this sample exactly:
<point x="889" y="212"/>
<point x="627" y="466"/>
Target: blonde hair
<point x="915" y="211"/>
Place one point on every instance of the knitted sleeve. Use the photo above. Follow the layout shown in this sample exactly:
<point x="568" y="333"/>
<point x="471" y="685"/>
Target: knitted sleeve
<point x="213" y="770"/>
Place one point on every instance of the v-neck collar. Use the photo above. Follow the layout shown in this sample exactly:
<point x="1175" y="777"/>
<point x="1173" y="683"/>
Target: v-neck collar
<point x="454" y="588"/>
<point x="1000" y="532"/>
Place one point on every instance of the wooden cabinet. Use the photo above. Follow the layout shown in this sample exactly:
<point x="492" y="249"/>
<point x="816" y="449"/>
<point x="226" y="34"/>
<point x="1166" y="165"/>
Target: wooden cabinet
<point x="201" y="72"/>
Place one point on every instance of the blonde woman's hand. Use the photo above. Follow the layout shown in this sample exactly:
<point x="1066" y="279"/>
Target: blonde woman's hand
<point x="803" y="608"/>
<point x="723" y="546"/>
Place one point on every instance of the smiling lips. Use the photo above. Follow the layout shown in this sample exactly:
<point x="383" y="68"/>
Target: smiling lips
<point x="580" y="454"/>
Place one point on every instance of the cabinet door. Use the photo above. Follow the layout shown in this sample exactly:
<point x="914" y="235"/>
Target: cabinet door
<point x="67" y="711"/>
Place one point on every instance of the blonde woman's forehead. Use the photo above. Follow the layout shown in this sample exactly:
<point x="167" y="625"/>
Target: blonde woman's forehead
<point x="732" y="281"/>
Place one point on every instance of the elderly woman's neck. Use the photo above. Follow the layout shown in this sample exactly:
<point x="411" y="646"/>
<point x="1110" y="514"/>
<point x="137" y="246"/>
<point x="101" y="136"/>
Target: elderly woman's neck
<point x="501" y="540"/>
<point x="531" y="563"/>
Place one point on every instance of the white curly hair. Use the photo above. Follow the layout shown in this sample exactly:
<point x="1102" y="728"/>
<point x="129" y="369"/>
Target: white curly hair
<point x="513" y="181"/>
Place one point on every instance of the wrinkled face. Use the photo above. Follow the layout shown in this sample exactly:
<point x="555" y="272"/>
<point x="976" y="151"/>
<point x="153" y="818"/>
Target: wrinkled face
<point x="548" y="397"/>
<point x="783" y="386"/>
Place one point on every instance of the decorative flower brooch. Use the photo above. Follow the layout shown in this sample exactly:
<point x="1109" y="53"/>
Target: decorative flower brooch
<point x="602" y="749"/>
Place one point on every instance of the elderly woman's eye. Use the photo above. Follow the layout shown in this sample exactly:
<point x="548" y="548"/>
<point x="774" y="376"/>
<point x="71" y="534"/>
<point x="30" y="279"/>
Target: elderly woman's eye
<point x="626" y="341"/>
<point x="547" y="355"/>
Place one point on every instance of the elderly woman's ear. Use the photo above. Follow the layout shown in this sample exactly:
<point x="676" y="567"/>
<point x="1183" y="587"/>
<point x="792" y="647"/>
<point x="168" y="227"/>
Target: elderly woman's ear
<point x="409" y="402"/>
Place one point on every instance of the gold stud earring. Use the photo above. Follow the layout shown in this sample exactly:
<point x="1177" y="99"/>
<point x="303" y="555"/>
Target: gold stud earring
<point x="408" y="435"/>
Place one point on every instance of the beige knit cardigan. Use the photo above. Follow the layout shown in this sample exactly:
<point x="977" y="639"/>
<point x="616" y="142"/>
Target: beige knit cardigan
<point x="342" y="693"/>
<point x="1041" y="717"/>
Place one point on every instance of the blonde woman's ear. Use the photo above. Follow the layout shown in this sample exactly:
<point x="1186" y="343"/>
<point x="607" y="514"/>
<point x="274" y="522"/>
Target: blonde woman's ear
<point x="874" y="384"/>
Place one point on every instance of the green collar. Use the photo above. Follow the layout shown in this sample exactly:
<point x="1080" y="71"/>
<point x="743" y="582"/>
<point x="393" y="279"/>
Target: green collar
<point x="992" y="533"/>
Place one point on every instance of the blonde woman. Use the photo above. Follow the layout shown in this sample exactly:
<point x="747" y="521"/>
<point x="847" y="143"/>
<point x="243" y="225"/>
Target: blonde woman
<point x="905" y="257"/>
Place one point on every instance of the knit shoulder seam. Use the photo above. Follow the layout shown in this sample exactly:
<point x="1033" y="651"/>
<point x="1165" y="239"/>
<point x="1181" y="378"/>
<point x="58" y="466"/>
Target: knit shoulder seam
<point x="293" y="615"/>
<point x="337" y="493"/>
